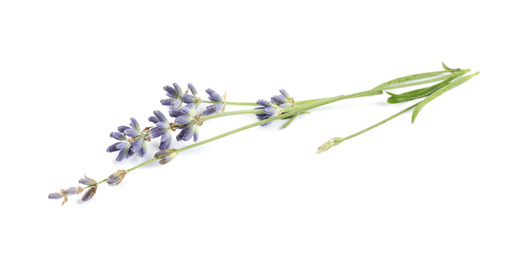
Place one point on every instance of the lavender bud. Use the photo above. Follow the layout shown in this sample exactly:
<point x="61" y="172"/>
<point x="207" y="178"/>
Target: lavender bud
<point x="87" y="181"/>
<point x="122" y="128"/>
<point x="263" y="102"/>
<point x="89" y="193"/>
<point x="279" y="99"/>
<point x="153" y="119"/>
<point x="118" y="135"/>
<point x="285" y="94"/>
<point x="56" y="195"/>
<point x="116" y="178"/>
<point x="192" y="89"/>
<point x="74" y="190"/>
<point x="189" y="99"/>
<point x="166" y="155"/>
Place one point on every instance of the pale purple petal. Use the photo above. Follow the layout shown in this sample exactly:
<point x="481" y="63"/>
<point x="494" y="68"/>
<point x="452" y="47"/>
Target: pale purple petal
<point x="183" y="120"/>
<point x="192" y="89"/>
<point x="134" y="124"/>
<point x="166" y="139"/>
<point x="160" y="116"/>
<point x="131" y="132"/>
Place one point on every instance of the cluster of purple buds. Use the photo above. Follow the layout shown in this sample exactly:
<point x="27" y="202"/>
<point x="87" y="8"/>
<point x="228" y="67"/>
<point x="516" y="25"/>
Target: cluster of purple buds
<point x="217" y="107"/>
<point x="182" y="106"/>
<point x="163" y="128"/>
<point x="191" y="98"/>
<point x="274" y="107"/>
<point x="174" y="93"/>
<point x="187" y="120"/>
<point x="283" y="100"/>
<point x="76" y="190"/>
<point x="131" y="140"/>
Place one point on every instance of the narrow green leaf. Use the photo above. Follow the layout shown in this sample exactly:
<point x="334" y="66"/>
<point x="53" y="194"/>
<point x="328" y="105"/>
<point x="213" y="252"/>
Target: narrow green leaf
<point x="439" y="92"/>
<point x="422" y="92"/>
<point x="289" y="121"/>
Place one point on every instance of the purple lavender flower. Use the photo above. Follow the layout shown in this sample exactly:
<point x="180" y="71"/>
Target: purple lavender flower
<point x="55" y="195"/>
<point x="137" y="140"/>
<point x="214" y="108"/>
<point x="128" y="147"/>
<point x="123" y="146"/>
<point x="87" y="181"/>
<point x="174" y="93"/>
<point x="284" y="100"/>
<point x="269" y="110"/>
<point x="191" y="98"/>
<point x="185" y="119"/>
<point x="162" y="129"/>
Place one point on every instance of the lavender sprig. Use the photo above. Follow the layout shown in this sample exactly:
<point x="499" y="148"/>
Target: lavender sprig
<point x="132" y="140"/>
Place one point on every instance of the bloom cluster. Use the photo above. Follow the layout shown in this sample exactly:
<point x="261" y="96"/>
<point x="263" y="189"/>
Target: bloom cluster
<point x="182" y="107"/>
<point x="275" y="106"/>
<point x="132" y="139"/>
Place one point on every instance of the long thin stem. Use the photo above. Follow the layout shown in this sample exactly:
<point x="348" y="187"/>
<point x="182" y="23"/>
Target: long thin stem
<point x="230" y="103"/>
<point x="380" y="123"/>
<point x="337" y="140"/>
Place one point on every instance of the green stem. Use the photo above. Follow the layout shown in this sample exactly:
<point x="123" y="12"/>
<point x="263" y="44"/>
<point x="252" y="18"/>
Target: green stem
<point x="337" y="140"/>
<point x="230" y="103"/>
<point x="380" y="123"/>
<point x="231" y="113"/>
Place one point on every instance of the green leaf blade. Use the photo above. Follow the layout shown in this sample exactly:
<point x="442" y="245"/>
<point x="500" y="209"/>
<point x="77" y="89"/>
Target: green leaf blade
<point x="439" y="92"/>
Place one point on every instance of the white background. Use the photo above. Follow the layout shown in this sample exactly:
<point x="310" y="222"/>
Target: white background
<point x="450" y="186"/>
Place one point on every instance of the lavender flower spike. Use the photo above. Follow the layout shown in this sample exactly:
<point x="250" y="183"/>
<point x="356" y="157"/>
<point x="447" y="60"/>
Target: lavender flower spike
<point x="162" y="129"/>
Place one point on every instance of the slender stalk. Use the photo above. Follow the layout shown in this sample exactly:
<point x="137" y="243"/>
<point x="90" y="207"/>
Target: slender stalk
<point x="380" y="123"/>
<point x="230" y="103"/>
<point x="230" y="113"/>
<point x="337" y="140"/>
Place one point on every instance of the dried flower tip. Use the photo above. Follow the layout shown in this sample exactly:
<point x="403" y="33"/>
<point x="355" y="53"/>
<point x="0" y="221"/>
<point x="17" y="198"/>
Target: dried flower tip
<point x="74" y="190"/>
<point x="166" y="155"/>
<point x="329" y="144"/>
<point x="116" y="178"/>
<point x="89" y="193"/>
